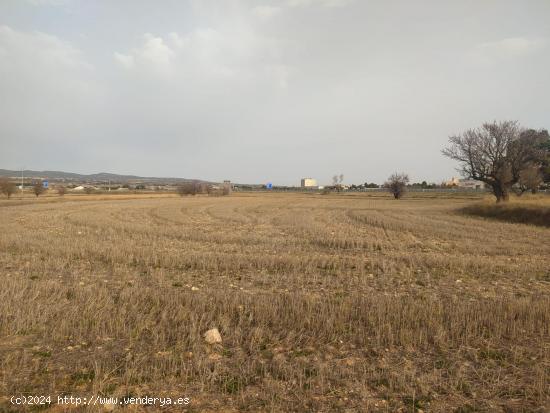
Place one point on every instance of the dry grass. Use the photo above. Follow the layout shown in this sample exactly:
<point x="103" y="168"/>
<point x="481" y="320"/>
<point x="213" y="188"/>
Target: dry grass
<point x="534" y="210"/>
<point x="324" y="303"/>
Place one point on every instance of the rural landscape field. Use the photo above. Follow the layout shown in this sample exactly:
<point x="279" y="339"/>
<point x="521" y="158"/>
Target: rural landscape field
<point x="339" y="302"/>
<point x="274" y="206"/>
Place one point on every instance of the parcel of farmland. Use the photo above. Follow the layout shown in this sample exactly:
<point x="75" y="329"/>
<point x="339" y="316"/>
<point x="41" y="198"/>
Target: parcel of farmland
<point x="322" y="302"/>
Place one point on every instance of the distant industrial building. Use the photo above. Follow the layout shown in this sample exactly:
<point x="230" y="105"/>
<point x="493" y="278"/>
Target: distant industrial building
<point x="308" y="183"/>
<point x="471" y="184"/>
<point x="465" y="183"/>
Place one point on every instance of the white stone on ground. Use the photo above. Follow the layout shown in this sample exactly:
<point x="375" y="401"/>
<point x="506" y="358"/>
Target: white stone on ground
<point x="213" y="336"/>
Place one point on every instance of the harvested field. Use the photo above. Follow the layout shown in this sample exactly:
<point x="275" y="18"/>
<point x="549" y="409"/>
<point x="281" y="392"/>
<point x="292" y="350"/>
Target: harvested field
<point x="324" y="303"/>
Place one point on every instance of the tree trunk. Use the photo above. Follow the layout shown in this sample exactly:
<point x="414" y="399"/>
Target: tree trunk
<point x="505" y="195"/>
<point x="501" y="192"/>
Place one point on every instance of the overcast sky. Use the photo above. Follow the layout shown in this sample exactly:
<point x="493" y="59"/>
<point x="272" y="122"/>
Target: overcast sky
<point x="264" y="91"/>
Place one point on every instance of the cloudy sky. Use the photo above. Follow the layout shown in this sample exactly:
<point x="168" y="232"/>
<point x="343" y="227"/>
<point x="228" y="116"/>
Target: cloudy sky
<point x="257" y="91"/>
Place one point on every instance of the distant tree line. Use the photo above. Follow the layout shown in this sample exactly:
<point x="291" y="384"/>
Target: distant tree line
<point x="424" y="185"/>
<point x="366" y="185"/>
<point x="414" y="185"/>
<point x="195" y="188"/>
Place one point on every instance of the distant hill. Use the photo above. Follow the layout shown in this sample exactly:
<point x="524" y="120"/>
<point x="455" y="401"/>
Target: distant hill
<point x="98" y="177"/>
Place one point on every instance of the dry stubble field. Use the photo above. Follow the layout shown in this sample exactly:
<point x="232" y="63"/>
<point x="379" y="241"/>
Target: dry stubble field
<point x="324" y="303"/>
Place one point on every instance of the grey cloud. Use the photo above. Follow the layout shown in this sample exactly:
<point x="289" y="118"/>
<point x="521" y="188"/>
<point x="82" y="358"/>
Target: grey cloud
<point x="260" y="90"/>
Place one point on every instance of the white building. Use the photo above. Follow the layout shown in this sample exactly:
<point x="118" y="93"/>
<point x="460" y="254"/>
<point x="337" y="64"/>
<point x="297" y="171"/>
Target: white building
<point x="308" y="183"/>
<point x="465" y="183"/>
<point x="471" y="184"/>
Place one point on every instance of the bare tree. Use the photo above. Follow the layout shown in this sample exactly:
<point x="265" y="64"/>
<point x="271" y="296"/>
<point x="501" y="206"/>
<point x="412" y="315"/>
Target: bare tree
<point x="226" y="188"/>
<point x="546" y="162"/>
<point x="181" y="189"/>
<point x="540" y="139"/>
<point x="38" y="188"/>
<point x="495" y="153"/>
<point x="61" y="190"/>
<point x="397" y="184"/>
<point x="189" y="188"/>
<point x="203" y="188"/>
<point x="337" y="182"/>
<point x="530" y="179"/>
<point x="7" y="187"/>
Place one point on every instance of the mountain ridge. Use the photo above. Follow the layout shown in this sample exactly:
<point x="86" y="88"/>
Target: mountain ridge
<point x="95" y="177"/>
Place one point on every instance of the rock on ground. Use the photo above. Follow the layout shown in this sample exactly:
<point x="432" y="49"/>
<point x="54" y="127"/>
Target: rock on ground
<point x="213" y="336"/>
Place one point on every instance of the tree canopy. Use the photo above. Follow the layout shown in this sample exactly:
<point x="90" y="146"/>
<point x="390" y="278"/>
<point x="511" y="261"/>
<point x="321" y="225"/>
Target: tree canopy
<point x="497" y="153"/>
